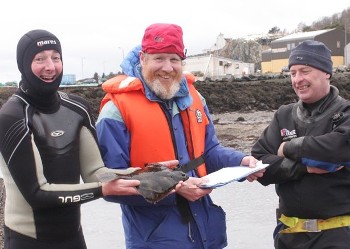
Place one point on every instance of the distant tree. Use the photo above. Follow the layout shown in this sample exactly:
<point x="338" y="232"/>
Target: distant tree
<point x="103" y="76"/>
<point x="301" y="27"/>
<point x="345" y="19"/>
<point x="307" y="29"/>
<point x="96" y="77"/>
<point x="274" y="30"/>
<point x="329" y="22"/>
<point x="111" y="75"/>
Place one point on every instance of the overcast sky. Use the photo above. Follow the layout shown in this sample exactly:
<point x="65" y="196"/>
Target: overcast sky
<point x="96" y="33"/>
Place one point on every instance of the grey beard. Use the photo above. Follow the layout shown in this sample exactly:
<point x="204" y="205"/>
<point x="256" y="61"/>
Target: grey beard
<point x="162" y="92"/>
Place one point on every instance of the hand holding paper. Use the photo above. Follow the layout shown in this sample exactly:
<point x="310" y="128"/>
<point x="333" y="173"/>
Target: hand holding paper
<point x="229" y="174"/>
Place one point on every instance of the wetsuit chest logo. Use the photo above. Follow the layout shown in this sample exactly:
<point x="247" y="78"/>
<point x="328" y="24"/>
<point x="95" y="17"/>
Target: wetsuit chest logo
<point x="57" y="133"/>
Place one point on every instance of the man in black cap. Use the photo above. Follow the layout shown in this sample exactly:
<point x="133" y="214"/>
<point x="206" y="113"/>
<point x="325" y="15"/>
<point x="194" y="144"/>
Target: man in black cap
<point x="47" y="142"/>
<point x="307" y="147"/>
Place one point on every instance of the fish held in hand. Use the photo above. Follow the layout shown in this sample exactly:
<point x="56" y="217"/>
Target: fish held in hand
<point x="156" y="180"/>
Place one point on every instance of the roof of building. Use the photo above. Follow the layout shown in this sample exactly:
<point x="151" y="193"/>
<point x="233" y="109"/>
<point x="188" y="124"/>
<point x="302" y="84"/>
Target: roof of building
<point x="213" y="56"/>
<point x="302" y="35"/>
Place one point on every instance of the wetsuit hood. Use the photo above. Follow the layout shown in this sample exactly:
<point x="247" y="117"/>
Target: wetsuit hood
<point x="29" y="45"/>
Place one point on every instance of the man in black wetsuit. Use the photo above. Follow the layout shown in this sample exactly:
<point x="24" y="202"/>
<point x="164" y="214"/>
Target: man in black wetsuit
<point x="47" y="142"/>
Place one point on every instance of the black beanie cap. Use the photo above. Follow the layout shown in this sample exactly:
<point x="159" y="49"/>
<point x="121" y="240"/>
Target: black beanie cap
<point x="312" y="53"/>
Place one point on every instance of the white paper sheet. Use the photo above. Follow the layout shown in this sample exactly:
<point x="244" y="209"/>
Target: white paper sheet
<point x="230" y="174"/>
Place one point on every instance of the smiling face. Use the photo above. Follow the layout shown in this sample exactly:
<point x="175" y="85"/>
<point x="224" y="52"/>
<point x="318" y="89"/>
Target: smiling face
<point x="47" y="65"/>
<point x="309" y="83"/>
<point x="162" y="73"/>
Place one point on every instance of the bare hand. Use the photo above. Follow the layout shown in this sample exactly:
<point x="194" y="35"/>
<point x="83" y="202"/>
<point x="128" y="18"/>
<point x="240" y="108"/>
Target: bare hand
<point x="190" y="190"/>
<point x="120" y="187"/>
<point x="314" y="170"/>
<point x="170" y="164"/>
<point x="256" y="175"/>
<point x="280" y="150"/>
<point x="249" y="161"/>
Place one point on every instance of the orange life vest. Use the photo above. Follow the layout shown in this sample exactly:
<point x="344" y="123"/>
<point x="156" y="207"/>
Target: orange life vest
<point x="151" y="139"/>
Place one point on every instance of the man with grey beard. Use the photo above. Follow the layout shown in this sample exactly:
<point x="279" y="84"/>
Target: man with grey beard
<point x="154" y="113"/>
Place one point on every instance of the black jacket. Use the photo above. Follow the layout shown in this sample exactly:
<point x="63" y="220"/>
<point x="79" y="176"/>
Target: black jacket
<point x="315" y="136"/>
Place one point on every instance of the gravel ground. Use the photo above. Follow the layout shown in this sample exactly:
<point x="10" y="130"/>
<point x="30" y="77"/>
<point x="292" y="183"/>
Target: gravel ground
<point x="240" y="130"/>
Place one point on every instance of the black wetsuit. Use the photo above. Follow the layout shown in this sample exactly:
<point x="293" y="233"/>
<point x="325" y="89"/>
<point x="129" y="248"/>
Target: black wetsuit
<point x="44" y="152"/>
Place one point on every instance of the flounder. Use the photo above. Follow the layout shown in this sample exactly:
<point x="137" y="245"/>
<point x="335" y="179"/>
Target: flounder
<point x="156" y="180"/>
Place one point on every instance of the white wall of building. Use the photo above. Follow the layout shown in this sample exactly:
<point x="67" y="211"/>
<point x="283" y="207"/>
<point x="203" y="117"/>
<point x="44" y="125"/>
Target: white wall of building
<point x="210" y="65"/>
<point x="347" y="55"/>
<point x="215" y="67"/>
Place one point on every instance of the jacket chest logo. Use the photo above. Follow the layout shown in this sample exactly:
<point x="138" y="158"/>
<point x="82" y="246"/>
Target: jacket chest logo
<point x="287" y="134"/>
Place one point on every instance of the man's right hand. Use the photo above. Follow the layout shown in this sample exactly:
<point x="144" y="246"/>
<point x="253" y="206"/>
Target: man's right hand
<point x="190" y="190"/>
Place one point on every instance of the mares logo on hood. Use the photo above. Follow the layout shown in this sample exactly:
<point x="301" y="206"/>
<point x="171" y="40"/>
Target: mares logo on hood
<point x="47" y="42"/>
<point x="288" y="135"/>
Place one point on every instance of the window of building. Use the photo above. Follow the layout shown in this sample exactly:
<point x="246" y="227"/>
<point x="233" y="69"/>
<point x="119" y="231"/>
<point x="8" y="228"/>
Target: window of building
<point x="290" y="46"/>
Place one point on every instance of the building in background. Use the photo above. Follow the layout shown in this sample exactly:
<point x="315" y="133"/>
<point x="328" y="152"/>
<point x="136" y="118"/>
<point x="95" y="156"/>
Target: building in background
<point x="210" y="66"/>
<point x="275" y="59"/>
<point x="213" y="67"/>
<point x="68" y="79"/>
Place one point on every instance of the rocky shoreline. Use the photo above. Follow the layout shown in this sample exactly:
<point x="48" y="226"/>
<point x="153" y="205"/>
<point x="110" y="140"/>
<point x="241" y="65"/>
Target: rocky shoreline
<point x="222" y="97"/>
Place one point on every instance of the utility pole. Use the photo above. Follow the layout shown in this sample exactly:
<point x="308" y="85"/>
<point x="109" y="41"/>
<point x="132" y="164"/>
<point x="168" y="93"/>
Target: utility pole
<point x="82" y="68"/>
<point x="345" y="35"/>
